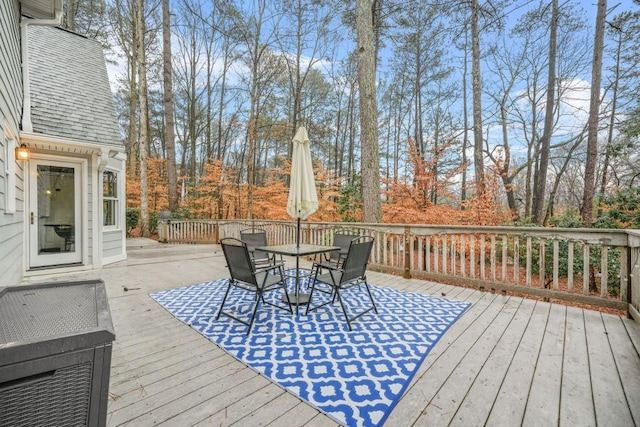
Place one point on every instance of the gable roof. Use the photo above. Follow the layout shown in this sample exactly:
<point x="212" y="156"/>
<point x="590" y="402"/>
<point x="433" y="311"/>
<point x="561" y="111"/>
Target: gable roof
<point x="69" y="87"/>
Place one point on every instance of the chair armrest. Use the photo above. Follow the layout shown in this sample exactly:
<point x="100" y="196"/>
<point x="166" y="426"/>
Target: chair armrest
<point x="259" y="269"/>
<point x="327" y="266"/>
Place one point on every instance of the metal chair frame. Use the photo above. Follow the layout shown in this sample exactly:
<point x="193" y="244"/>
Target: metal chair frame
<point x="245" y="276"/>
<point x="256" y="237"/>
<point x="351" y="273"/>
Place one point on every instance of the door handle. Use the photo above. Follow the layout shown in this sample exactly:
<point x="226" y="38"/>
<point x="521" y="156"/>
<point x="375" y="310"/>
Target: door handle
<point x="31" y="218"/>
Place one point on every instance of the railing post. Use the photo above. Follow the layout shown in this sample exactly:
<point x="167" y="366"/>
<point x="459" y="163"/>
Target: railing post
<point x="633" y="268"/>
<point x="407" y="252"/>
<point x="216" y="232"/>
<point x="162" y="230"/>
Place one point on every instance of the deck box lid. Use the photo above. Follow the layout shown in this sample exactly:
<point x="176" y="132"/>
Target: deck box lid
<point x="52" y="318"/>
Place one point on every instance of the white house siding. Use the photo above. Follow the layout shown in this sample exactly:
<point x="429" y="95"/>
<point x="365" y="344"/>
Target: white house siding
<point x="112" y="245"/>
<point x="11" y="224"/>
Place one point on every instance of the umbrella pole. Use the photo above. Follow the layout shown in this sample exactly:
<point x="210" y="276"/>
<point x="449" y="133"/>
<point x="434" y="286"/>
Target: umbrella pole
<point x="298" y="237"/>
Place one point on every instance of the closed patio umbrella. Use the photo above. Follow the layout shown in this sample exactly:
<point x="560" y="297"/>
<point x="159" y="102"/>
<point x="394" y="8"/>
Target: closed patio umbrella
<point x="303" y="200"/>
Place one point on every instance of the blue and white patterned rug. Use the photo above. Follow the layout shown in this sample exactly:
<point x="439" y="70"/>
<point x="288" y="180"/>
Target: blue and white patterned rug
<point x="354" y="377"/>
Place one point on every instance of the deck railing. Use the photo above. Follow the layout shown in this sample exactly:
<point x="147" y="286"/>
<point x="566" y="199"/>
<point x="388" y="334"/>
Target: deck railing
<point x="589" y="266"/>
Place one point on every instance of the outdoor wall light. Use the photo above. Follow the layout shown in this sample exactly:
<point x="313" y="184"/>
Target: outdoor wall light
<point x="22" y="152"/>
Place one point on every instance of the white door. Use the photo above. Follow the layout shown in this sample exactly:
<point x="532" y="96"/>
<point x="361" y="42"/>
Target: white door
<point x="55" y="223"/>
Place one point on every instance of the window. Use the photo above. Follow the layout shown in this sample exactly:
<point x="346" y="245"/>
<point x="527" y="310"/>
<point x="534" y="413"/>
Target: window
<point x="110" y="198"/>
<point x="9" y="172"/>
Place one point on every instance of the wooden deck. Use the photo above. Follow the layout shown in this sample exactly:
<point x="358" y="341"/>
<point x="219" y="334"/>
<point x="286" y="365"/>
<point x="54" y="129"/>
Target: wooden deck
<point x="507" y="361"/>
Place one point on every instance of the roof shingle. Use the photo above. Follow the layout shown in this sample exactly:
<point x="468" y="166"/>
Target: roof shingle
<point x="70" y="92"/>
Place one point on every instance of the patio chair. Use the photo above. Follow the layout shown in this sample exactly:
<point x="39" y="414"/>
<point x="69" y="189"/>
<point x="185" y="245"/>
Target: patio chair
<point x="352" y="273"/>
<point x="256" y="237"/>
<point x="344" y="241"/>
<point x="245" y="276"/>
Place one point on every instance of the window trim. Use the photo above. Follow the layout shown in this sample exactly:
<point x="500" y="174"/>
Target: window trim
<point x="116" y="201"/>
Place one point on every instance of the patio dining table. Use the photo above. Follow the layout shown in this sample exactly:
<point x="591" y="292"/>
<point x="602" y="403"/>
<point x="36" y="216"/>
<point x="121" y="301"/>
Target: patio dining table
<point x="297" y="251"/>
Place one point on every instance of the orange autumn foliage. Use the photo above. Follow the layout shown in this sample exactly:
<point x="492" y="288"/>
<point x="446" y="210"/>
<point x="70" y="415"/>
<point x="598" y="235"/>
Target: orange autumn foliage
<point x="157" y="186"/>
<point x="408" y="201"/>
<point x="218" y="195"/>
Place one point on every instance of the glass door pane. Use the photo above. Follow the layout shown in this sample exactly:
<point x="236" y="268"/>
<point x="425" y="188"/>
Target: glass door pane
<point x="56" y="208"/>
<point x="55" y="213"/>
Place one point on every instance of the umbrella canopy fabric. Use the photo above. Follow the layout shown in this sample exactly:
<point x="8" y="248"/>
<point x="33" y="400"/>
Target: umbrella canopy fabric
<point x="303" y="200"/>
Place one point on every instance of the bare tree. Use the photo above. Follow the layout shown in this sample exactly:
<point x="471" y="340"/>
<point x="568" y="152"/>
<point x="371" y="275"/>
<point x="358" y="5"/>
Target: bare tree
<point x="144" y="117"/>
<point x="465" y="119"/>
<point x="124" y="23"/>
<point x="540" y="178"/>
<point x="477" y="96"/>
<point x="594" y="113"/>
<point x="372" y="209"/>
<point x="508" y="68"/>
<point x="258" y="46"/>
<point x="626" y="59"/>
<point x="172" y="180"/>
<point x="306" y="40"/>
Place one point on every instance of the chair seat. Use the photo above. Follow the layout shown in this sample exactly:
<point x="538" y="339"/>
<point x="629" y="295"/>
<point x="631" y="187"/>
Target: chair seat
<point x="268" y="281"/>
<point x="332" y="277"/>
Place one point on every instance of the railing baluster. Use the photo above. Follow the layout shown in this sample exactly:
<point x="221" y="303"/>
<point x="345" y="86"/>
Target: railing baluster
<point x="505" y="260"/>
<point x="556" y="252"/>
<point x="463" y="261"/>
<point x="516" y="260"/>
<point x="421" y="255"/>
<point x="436" y="253"/>
<point x="472" y="254"/>
<point x="528" y="261"/>
<point x="585" y="269"/>
<point x="444" y="253"/>
<point x="604" y="272"/>
<point x="493" y="257"/>
<point x="428" y="253"/>
<point x="482" y="256"/>
<point x="542" y="257"/>
<point x="570" y="246"/>
<point x="624" y="274"/>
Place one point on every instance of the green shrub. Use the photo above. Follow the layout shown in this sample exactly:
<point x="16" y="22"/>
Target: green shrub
<point x="133" y="220"/>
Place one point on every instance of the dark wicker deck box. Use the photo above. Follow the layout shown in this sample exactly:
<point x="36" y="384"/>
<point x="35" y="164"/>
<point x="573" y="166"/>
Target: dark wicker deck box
<point x="55" y="354"/>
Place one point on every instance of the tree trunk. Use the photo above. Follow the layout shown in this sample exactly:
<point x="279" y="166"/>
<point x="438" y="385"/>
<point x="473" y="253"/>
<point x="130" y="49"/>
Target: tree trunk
<point x="172" y="180"/>
<point x="594" y="109"/>
<point x="477" y="105"/>
<point x="368" y="113"/>
<point x="144" y="120"/>
<point x="133" y="103"/>
<point x="465" y="118"/>
<point x="540" y="179"/>
<point x="612" y="119"/>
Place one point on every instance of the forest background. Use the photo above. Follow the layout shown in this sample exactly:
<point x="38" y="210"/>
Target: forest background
<point x="485" y="112"/>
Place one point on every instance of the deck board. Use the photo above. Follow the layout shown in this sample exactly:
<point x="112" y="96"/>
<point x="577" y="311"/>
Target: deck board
<point x="451" y="393"/>
<point x="628" y="366"/>
<point x="510" y="403"/>
<point x="506" y="361"/>
<point x="576" y="406"/>
<point x="608" y="395"/>
<point x="480" y="397"/>
<point x="544" y="396"/>
<point x="420" y="394"/>
<point x="228" y="409"/>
